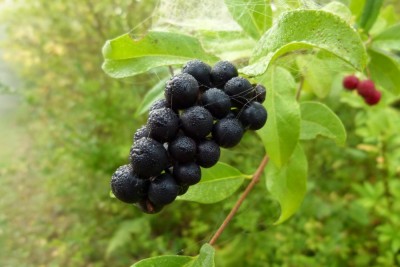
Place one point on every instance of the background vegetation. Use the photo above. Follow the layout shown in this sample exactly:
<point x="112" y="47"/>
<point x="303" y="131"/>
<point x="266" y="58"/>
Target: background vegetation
<point x="74" y="126"/>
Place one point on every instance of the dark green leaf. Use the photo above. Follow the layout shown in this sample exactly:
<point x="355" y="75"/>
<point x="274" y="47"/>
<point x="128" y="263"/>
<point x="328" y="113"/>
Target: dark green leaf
<point x="129" y="55"/>
<point x="254" y="16"/>
<point x="288" y="183"/>
<point x="281" y="132"/>
<point x="385" y="70"/>
<point x="318" y="119"/>
<point x="369" y="14"/>
<point x="217" y="183"/>
<point x="304" y="29"/>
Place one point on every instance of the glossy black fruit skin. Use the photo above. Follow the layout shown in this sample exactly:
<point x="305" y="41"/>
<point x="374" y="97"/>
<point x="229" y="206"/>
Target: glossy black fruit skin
<point x="208" y="153"/>
<point x="182" y="149"/>
<point x="146" y="206"/>
<point x="239" y="90"/>
<point x="222" y="72"/>
<point x="181" y="91"/>
<point x="200" y="71"/>
<point x="227" y="132"/>
<point x="187" y="173"/>
<point x="127" y="186"/>
<point x="217" y="102"/>
<point x="260" y="93"/>
<point x="197" y="122"/>
<point x="161" y="103"/>
<point x="141" y="132"/>
<point x="183" y="188"/>
<point x="163" y="124"/>
<point x="148" y="157"/>
<point x="254" y="116"/>
<point x="163" y="190"/>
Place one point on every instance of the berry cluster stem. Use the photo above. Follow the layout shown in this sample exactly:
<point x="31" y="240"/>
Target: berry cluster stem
<point x="254" y="181"/>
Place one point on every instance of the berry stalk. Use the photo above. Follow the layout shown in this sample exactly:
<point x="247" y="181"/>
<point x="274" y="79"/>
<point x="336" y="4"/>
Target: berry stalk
<point x="254" y="181"/>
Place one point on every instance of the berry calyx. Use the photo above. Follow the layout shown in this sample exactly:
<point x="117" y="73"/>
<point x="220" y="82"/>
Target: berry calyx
<point x="350" y="82"/>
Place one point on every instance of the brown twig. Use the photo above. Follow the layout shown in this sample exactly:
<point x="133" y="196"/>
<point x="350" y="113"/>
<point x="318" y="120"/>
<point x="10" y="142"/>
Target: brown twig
<point x="254" y="181"/>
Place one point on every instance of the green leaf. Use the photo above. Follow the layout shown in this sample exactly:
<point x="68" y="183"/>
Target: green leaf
<point x="369" y="14"/>
<point x="304" y="29"/>
<point x="288" y="183"/>
<point x="318" y="119"/>
<point x="155" y="93"/>
<point x="205" y="258"/>
<point x="316" y="75"/>
<point x="388" y="39"/>
<point x="281" y="132"/>
<point x="164" y="261"/>
<point x="385" y="70"/>
<point x="217" y="183"/>
<point x="254" y="16"/>
<point x="339" y="9"/>
<point x="129" y="55"/>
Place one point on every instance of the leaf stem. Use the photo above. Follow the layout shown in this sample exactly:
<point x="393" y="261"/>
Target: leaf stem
<point x="254" y="181"/>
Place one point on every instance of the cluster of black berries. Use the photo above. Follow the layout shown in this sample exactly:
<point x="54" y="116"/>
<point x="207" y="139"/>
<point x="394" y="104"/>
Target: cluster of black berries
<point x="365" y="89"/>
<point x="204" y="109"/>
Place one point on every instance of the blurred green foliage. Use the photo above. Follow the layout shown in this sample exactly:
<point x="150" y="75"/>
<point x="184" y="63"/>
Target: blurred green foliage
<point x="56" y="209"/>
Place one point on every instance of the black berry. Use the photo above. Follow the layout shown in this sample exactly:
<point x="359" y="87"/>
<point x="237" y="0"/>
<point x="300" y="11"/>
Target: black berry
<point x="240" y="91"/>
<point x="146" y="206"/>
<point x="227" y="132"/>
<point x="253" y="116"/>
<point x="217" y="102"/>
<point x="182" y="149"/>
<point x="187" y="173"/>
<point x="197" y="122"/>
<point x="260" y="93"/>
<point x="181" y="91"/>
<point x="163" y="190"/>
<point x="222" y="72"/>
<point x="127" y="186"/>
<point x="148" y="157"/>
<point x="161" y="103"/>
<point x="141" y="132"/>
<point x="208" y="153"/>
<point x="183" y="189"/>
<point x="163" y="124"/>
<point x="200" y="71"/>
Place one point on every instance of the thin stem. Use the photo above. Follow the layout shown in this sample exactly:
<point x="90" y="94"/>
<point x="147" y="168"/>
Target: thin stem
<point x="300" y="88"/>
<point x="254" y="181"/>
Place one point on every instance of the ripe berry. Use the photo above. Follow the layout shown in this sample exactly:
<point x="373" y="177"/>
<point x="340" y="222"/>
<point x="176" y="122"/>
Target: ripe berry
<point x="163" y="190"/>
<point x="240" y="90"/>
<point x="254" y="116"/>
<point x="187" y="173"/>
<point x="366" y="88"/>
<point x="227" y="132"/>
<point x="146" y="206"/>
<point x="260" y="93"/>
<point x="374" y="98"/>
<point x="181" y="91"/>
<point x="183" y="189"/>
<point x="140" y="133"/>
<point x="222" y="72"/>
<point x="148" y="157"/>
<point x="163" y="124"/>
<point x="200" y="71"/>
<point x="197" y="122"/>
<point x="208" y="153"/>
<point x="217" y="102"/>
<point x="182" y="149"/>
<point x="127" y="186"/>
<point x="161" y="103"/>
<point x="350" y="82"/>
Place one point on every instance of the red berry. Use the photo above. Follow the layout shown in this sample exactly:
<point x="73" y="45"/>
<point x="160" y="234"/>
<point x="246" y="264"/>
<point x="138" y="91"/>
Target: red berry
<point x="350" y="82"/>
<point x="374" y="98"/>
<point x="366" y="88"/>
